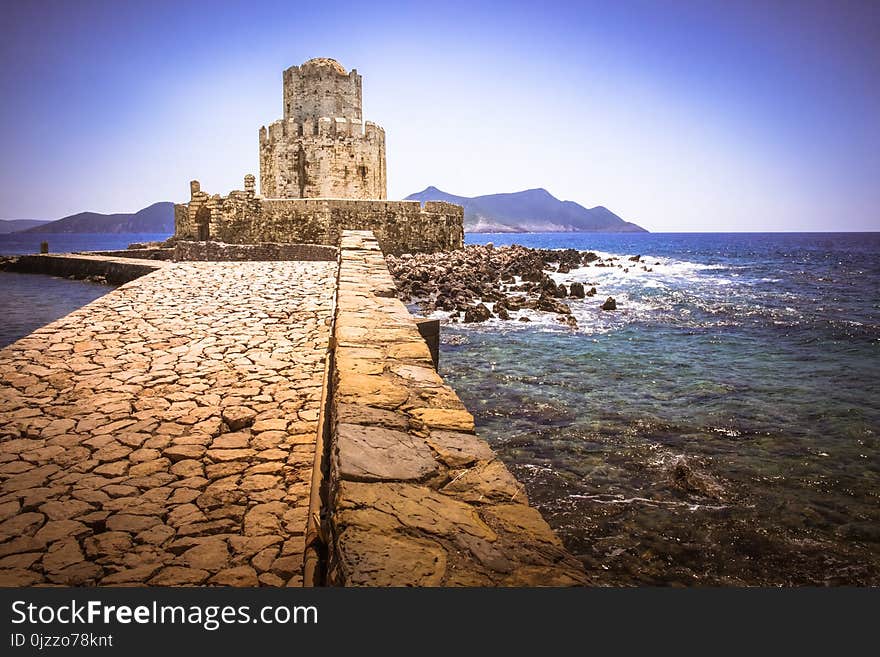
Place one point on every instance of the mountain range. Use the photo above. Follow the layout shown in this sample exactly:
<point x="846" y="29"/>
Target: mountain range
<point x="529" y="211"/>
<point x="17" y="225"/>
<point x="156" y="218"/>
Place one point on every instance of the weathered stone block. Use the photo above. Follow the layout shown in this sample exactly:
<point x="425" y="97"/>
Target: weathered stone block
<point x="367" y="453"/>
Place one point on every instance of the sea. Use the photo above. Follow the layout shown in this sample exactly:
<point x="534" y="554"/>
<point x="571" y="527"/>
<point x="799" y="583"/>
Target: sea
<point x="29" y="301"/>
<point x="719" y="428"/>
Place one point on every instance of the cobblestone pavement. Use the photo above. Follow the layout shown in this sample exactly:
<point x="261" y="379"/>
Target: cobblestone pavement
<point x="164" y="434"/>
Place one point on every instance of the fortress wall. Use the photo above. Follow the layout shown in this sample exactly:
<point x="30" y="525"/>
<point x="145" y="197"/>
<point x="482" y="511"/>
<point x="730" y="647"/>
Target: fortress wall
<point x="402" y="226"/>
<point x="415" y="498"/>
<point x="399" y="226"/>
<point x="327" y="157"/>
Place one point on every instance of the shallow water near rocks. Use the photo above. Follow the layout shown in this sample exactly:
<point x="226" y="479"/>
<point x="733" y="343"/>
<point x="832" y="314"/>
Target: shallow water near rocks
<point x="721" y="427"/>
<point x="29" y="301"/>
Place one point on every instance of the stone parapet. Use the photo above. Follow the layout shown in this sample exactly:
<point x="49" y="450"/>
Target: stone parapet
<point x="415" y="497"/>
<point x="159" y="253"/>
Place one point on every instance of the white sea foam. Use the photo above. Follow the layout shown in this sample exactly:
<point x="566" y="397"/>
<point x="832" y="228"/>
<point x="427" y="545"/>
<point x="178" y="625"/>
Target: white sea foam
<point x="620" y="499"/>
<point x="627" y="287"/>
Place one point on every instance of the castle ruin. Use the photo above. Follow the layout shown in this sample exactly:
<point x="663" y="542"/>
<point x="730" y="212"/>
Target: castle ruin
<point x="322" y="148"/>
<point x="322" y="171"/>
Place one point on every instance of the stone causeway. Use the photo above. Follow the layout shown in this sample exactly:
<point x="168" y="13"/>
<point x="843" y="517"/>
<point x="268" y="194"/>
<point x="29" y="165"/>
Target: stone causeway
<point x="252" y="423"/>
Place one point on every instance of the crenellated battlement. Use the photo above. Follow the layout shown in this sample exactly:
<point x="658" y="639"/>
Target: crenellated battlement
<point x="325" y="127"/>
<point x="321" y="87"/>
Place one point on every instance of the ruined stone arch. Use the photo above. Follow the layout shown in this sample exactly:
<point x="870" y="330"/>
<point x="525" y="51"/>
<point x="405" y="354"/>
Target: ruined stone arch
<point x="203" y="223"/>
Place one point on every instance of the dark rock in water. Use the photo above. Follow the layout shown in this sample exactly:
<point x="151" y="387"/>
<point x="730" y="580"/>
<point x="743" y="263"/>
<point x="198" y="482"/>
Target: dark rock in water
<point x="551" y="305"/>
<point x="524" y="319"/>
<point x="461" y="282"/>
<point x="859" y="531"/>
<point x="635" y="258"/>
<point x="591" y="292"/>
<point x="610" y="304"/>
<point x="548" y="285"/>
<point x="685" y="477"/>
<point x="568" y="320"/>
<point x="8" y="262"/>
<point x="478" y="313"/>
<point x="563" y="269"/>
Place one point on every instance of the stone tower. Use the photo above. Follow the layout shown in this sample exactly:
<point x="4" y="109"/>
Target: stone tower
<point x="322" y="148"/>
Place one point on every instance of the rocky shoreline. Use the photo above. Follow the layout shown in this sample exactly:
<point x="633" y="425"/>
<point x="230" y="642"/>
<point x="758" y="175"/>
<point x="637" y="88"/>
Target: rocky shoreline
<point x="509" y="278"/>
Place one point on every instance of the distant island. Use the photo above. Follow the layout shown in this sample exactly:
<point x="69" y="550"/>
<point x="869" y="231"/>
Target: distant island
<point x="18" y="225"/>
<point x="156" y="218"/>
<point x="530" y="211"/>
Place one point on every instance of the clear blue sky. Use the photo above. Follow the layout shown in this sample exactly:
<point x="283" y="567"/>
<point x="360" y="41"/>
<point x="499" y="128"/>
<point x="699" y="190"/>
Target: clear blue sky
<point x="680" y="116"/>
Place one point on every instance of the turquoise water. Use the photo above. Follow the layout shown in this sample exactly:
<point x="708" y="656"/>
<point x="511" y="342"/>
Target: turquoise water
<point x="720" y="428"/>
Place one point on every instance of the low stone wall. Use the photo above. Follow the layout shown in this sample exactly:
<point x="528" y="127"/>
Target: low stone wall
<point x="140" y="254"/>
<point x="244" y="218"/>
<point x="415" y="497"/>
<point x="265" y="251"/>
<point x="112" y="269"/>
